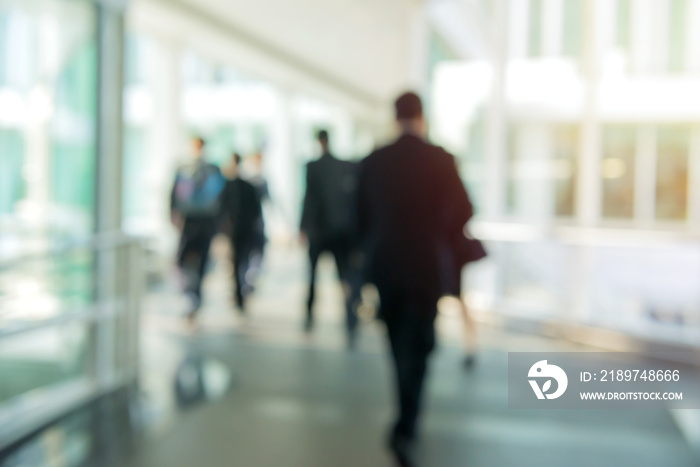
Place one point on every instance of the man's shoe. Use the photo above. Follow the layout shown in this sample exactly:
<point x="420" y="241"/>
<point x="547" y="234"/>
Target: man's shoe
<point x="352" y="340"/>
<point x="191" y="318"/>
<point x="308" y="325"/>
<point x="469" y="361"/>
<point x="402" y="448"/>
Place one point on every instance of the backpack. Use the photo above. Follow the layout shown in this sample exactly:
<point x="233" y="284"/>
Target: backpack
<point x="197" y="190"/>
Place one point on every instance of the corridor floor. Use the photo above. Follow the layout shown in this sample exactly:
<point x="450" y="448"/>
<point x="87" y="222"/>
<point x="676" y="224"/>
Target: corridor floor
<point x="294" y="400"/>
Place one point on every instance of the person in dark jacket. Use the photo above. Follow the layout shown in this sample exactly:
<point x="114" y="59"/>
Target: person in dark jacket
<point x="242" y="215"/>
<point x="328" y="222"/>
<point x="411" y="201"/>
<point x="194" y="209"/>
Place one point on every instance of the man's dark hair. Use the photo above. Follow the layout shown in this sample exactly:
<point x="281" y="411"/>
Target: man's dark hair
<point x="322" y="136"/>
<point x="408" y="106"/>
<point x="236" y="158"/>
<point x="200" y="141"/>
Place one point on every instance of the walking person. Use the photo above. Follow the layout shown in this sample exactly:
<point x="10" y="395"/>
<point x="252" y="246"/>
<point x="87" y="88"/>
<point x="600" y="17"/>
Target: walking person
<point x="462" y="249"/>
<point x="411" y="202"/>
<point x="328" y="223"/>
<point x="242" y="215"/>
<point x="194" y="209"/>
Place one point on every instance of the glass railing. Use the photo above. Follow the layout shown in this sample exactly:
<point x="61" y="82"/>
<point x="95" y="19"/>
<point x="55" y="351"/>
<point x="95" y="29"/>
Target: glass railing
<point x="640" y="283"/>
<point x="68" y="328"/>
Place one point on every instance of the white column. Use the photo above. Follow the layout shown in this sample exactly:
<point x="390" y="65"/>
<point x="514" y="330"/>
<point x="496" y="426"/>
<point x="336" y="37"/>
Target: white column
<point x="282" y="171"/>
<point x="643" y="45"/>
<point x="518" y="22"/>
<point x="661" y="37"/>
<point x="41" y="104"/>
<point x="166" y="140"/>
<point x="694" y="181"/>
<point x="343" y="134"/>
<point x="692" y="50"/>
<point x="495" y="148"/>
<point x="607" y="29"/>
<point x="645" y="177"/>
<point x="496" y="176"/>
<point x="552" y="27"/>
<point x="109" y="265"/>
<point x="419" y="49"/>
<point x="38" y="160"/>
<point x="589" y="183"/>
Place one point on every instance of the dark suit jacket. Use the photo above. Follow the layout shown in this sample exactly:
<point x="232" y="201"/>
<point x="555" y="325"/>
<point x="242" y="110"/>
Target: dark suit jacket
<point x="329" y="209"/>
<point x="241" y="210"/>
<point x="411" y="201"/>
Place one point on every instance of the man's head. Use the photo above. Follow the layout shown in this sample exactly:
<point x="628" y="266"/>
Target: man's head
<point x="409" y="113"/>
<point x="235" y="166"/>
<point x="198" y="147"/>
<point x="322" y="137"/>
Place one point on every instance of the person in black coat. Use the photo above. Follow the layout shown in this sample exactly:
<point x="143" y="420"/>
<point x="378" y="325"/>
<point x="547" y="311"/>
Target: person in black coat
<point x="242" y="217"/>
<point x="328" y="222"/>
<point x="411" y="202"/>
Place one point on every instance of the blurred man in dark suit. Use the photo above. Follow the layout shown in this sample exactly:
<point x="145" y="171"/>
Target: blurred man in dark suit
<point x="242" y="216"/>
<point x="329" y="223"/>
<point x="411" y="202"/>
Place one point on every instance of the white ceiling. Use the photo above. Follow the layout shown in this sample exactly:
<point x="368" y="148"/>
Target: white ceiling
<point x="365" y="50"/>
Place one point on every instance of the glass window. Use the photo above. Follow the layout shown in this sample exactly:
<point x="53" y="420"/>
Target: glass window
<point x="672" y="173"/>
<point x="624" y="8"/>
<point x="473" y="167"/>
<point x="512" y="160"/>
<point x="573" y="27"/>
<point x="618" y="170"/>
<point x="135" y="173"/>
<point x="73" y="158"/>
<point x="542" y="164"/>
<point x="677" y="32"/>
<point x="42" y="358"/>
<point x="48" y="69"/>
<point x="535" y="36"/>
<point x="12" y="186"/>
<point x="565" y="160"/>
<point x="136" y="60"/>
<point x="4" y="33"/>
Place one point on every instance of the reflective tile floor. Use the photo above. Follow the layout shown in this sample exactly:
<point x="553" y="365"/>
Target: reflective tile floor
<point x="258" y="392"/>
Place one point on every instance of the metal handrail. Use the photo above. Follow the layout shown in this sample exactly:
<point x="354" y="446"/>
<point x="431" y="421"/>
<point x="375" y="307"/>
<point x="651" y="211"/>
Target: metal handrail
<point x="99" y="242"/>
<point x="578" y="235"/>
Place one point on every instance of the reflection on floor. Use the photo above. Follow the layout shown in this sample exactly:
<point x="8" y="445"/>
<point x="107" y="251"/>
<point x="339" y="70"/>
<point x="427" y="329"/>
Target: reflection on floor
<point x="257" y="392"/>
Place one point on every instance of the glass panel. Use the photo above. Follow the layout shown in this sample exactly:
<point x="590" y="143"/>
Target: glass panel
<point x="573" y="27"/>
<point x="48" y="71"/>
<point x="35" y="290"/>
<point x="42" y="358"/>
<point x="12" y="183"/>
<point x="536" y="279"/>
<point x="677" y="34"/>
<point x="541" y="170"/>
<point x="672" y="173"/>
<point x="473" y="166"/>
<point x="566" y="147"/>
<point x="221" y="145"/>
<point x="512" y="157"/>
<point x="135" y="173"/>
<point x="618" y="167"/>
<point x="136" y="60"/>
<point x="535" y="35"/>
<point x="633" y="288"/>
<point x="623" y="23"/>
